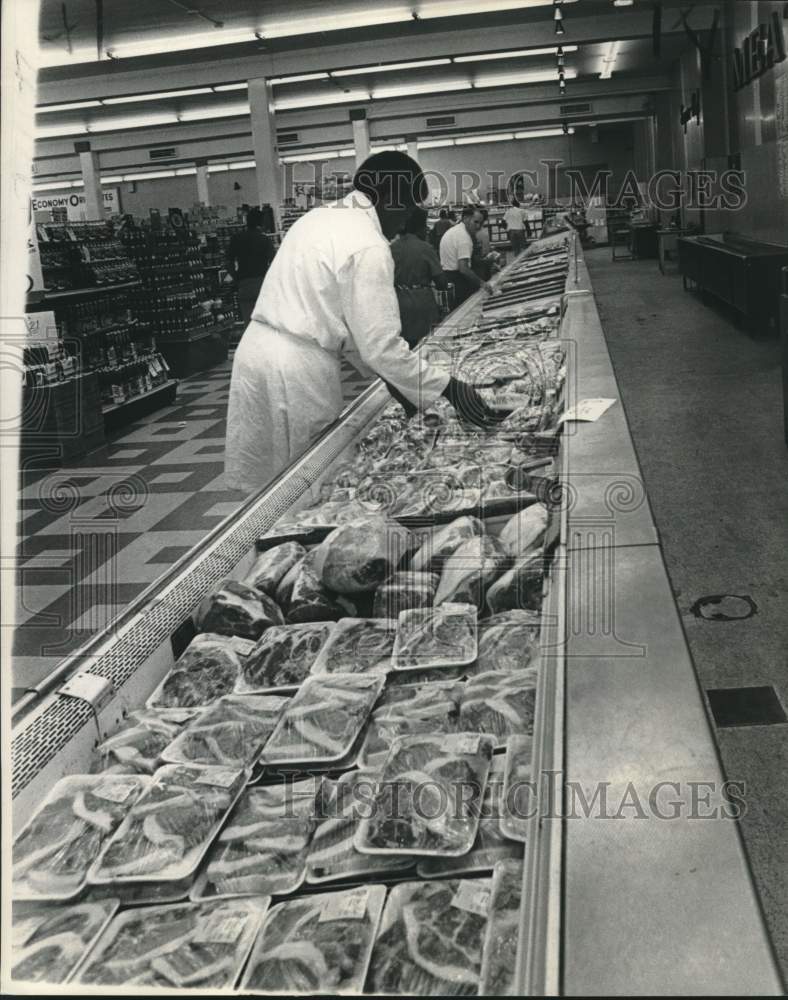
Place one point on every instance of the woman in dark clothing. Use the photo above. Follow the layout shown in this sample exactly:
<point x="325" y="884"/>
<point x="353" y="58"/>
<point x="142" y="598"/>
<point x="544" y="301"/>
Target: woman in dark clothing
<point x="249" y="256"/>
<point x="416" y="270"/>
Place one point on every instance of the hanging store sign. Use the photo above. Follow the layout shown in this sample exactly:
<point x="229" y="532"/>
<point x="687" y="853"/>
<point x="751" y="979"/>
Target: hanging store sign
<point x="759" y="51"/>
<point x="74" y="203"/>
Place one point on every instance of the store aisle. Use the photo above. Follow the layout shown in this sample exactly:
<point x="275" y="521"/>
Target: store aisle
<point x="704" y="406"/>
<point x="95" y="534"/>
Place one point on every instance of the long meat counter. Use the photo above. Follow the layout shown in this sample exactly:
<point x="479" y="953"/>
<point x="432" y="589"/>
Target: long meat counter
<point x="625" y="875"/>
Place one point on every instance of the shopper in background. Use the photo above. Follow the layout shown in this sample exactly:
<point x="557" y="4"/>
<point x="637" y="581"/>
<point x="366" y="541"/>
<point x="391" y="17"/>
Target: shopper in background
<point x="329" y="292"/>
<point x="416" y="269"/>
<point x="249" y="256"/>
<point x="514" y="220"/>
<point x="456" y="250"/>
<point x="444" y="223"/>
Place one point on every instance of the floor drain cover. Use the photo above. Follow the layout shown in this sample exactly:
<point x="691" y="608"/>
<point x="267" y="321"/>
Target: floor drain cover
<point x="724" y="607"/>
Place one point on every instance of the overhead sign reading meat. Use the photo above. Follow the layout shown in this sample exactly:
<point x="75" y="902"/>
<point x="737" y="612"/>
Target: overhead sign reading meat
<point x="759" y="51"/>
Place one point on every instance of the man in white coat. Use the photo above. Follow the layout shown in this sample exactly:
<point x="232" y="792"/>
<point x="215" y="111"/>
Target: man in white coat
<point x="329" y="291"/>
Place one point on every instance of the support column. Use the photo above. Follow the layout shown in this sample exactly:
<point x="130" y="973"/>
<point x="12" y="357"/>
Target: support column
<point x="267" y="166"/>
<point x="358" y="118"/>
<point x="91" y="179"/>
<point x="203" y="194"/>
<point x="413" y="146"/>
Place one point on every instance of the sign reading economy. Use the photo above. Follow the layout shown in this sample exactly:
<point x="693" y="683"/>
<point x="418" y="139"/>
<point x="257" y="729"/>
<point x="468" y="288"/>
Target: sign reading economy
<point x="74" y="203"/>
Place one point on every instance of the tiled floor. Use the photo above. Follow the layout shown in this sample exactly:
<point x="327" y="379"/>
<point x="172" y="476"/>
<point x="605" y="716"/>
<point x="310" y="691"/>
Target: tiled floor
<point x="93" y="535"/>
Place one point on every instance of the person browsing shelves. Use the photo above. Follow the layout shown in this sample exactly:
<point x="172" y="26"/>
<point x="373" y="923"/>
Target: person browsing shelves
<point x="456" y="251"/>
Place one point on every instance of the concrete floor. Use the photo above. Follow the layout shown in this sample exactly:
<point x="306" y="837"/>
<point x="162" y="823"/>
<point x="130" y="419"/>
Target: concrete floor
<point x="704" y="405"/>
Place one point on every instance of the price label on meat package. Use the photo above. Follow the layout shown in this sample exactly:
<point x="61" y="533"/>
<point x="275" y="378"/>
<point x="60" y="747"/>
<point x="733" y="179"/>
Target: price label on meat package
<point x="242" y="646"/>
<point x="220" y="927"/>
<point x="473" y="897"/>
<point x="114" y="791"/>
<point x="465" y="743"/>
<point x="218" y="778"/>
<point x="347" y="906"/>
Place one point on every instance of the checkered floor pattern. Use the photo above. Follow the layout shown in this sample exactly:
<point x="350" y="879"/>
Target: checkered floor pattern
<point x="94" y="534"/>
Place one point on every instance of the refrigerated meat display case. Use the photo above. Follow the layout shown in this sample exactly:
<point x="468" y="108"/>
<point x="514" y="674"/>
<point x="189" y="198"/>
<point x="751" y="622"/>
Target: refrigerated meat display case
<point x="635" y="880"/>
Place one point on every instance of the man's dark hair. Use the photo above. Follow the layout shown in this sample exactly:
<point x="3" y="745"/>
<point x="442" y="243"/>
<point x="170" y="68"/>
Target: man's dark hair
<point x="254" y="218"/>
<point x="393" y="178"/>
<point x="470" y="210"/>
<point x="443" y="214"/>
<point x="417" y="221"/>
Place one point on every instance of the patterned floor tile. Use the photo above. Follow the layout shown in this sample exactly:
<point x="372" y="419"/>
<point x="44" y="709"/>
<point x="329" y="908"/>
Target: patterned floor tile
<point x="170" y="477"/>
<point x="146" y="558"/>
<point x="169" y="431"/>
<point x="193" y="511"/>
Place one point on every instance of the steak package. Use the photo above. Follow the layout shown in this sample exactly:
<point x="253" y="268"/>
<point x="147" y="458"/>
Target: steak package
<point x="501" y="942"/>
<point x="508" y="641"/>
<point x="271" y="567"/>
<point x="405" y="589"/>
<point x="525" y="531"/>
<point x="49" y="941"/>
<point x="323" y="720"/>
<point x="518" y="788"/>
<point x="429" y="796"/>
<point x="519" y="587"/>
<point x="207" y="669"/>
<point x="230" y="733"/>
<point x="443" y="636"/>
<point x="409" y="709"/>
<point x="358" y="645"/>
<point x="499" y="703"/>
<point x="165" y="835"/>
<point x="430" y="939"/>
<point x="332" y="854"/>
<point x="358" y="556"/>
<point x="469" y="571"/>
<point x="319" y="944"/>
<point x="237" y="609"/>
<point x="199" y="945"/>
<point x="261" y="850"/>
<point x="444" y="542"/>
<point x="304" y="598"/>
<point x="283" y="657"/>
<point x="52" y="854"/>
<point x="137" y="747"/>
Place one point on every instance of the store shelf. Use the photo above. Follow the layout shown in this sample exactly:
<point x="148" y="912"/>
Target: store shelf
<point x="114" y="407"/>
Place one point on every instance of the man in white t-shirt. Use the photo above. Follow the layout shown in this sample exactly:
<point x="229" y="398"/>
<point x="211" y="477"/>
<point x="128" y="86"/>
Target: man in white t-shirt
<point x="456" y="250"/>
<point x="514" y="220"/>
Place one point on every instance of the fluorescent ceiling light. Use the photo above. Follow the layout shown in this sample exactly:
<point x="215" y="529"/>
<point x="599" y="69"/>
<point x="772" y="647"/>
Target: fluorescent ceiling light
<point x="347" y="152"/>
<point x="185" y="171"/>
<point x="542" y="133"/>
<point x="139" y="121"/>
<point x="160" y="96"/>
<point x="608" y="60"/>
<point x="201" y="114"/>
<point x="242" y="164"/>
<point x="516" y="79"/>
<point x="57" y="186"/>
<point x="388" y="67"/>
<point x="381" y="93"/>
<point x="515" y="54"/>
<point x="389" y="149"/>
<point x="470" y="140"/>
<point x="71" y="106"/>
<point x="229" y="86"/>
<point x="330" y="154"/>
<point x="218" y="168"/>
<point x="298" y="78"/>
<point x="453" y="8"/>
<point x="150" y="175"/>
<point x="181" y="43"/>
<point x="315" y="100"/>
<point x="55" y="55"/>
<point x="54" y="131"/>
<point x="435" y="143"/>
<point x="337" y="22"/>
<point x="111" y="179"/>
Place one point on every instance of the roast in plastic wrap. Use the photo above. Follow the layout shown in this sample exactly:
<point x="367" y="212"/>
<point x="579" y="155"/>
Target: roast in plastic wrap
<point x="499" y="703"/>
<point x="283" y="657"/>
<point x="509" y="641"/>
<point x="405" y="589"/>
<point x="271" y="567"/>
<point x="358" y="556"/>
<point x="469" y="571"/>
<point x="430" y="939"/>
<point x="444" y="542"/>
<point x="525" y="532"/>
<point x="519" y="587"/>
<point x="207" y="669"/>
<point x="237" y="609"/>
<point x="304" y="598"/>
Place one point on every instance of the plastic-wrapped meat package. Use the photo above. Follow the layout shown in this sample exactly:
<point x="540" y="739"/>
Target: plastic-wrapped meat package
<point x="332" y="854"/>
<point x="509" y="641"/>
<point x="419" y="708"/>
<point x="501" y="704"/>
<point x="358" y="645"/>
<point x="304" y="598"/>
<point x="49" y="941"/>
<point x="518" y="787"/>
<point x="53" y="853"/>
<point x="137" y="747"/>
<point x="499" y="954"/>
<point x="405" y="589"/>
<point x="282" y="659"/>
<point x="358" y="556"/>
<point x="444" y="542"/>
<point x="200" y="945"/>
<point x="430" y="939"/>
<point x="470" y="570"/>
<point x="323" y="720"/>
<point x="207" y="669"/>
<point x="271" y="567"/>
<point x="428" y="800"/>
<point x="167" y="832"/>
<point x="491" y="844"/>
<point x="262" y="848"/>
<point x="320" y="944"/>
<point x="230" y="733"/>
<point x="525" y="531"/>
<point x="443" y="636"/>
<point x="236" y="609"/>
<point x="520" y="587"/>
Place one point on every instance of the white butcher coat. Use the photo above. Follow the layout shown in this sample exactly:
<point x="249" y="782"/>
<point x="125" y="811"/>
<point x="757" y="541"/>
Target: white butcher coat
<point x="328" y="292"/>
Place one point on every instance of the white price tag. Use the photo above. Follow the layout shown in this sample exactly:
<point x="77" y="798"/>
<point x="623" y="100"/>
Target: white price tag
<point x="242" y="646"/>
<point x="218" y="778"/>
<point x="587" y="410"/>
<point x="221" y="927"/>
<point x="467" y="743"/>
<point x="473" y="897"/>
<point x="347" y="906"/>
<point x="114" y="791"/>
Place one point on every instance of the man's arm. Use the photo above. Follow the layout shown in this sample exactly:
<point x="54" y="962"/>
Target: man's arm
<point x="465" y="269"/>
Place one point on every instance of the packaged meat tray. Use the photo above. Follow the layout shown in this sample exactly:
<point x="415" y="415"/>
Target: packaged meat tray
<point x="261" y="851"/>
<point x="207" y="669"/>
<point x="145" y="893"/>
<point x="167" y="832"/>
<point x="519" y="587"/>
<point x="230" y="733"/>
<point x="470" y="570"/>
<point x="234" y="608"/>
<point x="501" y="942"/>
<point x="429" y="796"/>
<point x="430" y="939"/>
<point x="501" y="704"/>
<point x="332" y="854"/>
<point x="283" y="657"/>
<point x="444" y="542"/>
<point x="518" y="787"/>
<point x="49" y="941"/>
<point x="433" y="707"/>
<point x="138" y="746"/>
<point x="323" y="720"/>
<point x="509" y="641"/>
<point x="187" y="945"/>
<point x="405" y="589"/>
<point x="52" y="854"/>
<point x="271" y="567"/>
<point x="358" y="645"/>
<point x="491" y="844"/>
<point x="443" y="636"/>
<point x="319" y="944"/>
